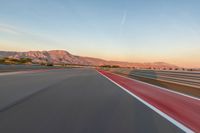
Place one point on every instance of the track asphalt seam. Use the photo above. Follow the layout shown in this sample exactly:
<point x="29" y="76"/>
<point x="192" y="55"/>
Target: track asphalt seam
<point x="23" y="99"/>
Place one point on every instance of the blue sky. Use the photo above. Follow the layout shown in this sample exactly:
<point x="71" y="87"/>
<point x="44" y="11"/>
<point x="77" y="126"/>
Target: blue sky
<point x="126" y="30"/>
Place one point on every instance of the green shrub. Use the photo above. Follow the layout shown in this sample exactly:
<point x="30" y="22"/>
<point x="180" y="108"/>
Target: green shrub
<point x="25" y="60"/>
<point x="49" y="64"/>
<point x="2" y="61"/>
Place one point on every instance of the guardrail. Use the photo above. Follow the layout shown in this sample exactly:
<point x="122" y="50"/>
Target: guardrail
<point x="180" y="77"/>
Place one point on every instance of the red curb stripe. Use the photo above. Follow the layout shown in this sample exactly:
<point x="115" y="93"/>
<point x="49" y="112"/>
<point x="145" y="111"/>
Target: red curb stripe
<point x="181" y="108"/>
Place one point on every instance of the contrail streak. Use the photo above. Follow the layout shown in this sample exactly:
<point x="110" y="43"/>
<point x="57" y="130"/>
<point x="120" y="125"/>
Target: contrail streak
<point x="124" y="18"/>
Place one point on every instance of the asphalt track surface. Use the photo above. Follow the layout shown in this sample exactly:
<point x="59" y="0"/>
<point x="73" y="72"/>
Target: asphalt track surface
<point x="73" y="101"/>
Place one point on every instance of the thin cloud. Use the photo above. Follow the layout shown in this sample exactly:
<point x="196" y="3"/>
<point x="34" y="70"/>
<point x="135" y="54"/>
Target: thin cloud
<point x="10" y="29"/>
<point x="25" y="35"/>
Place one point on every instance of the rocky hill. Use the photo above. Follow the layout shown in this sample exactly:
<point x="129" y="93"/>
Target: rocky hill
<point x="64" y="57"/>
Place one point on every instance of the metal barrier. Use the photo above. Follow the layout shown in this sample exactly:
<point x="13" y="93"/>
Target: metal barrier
<point x="180" y="77"/>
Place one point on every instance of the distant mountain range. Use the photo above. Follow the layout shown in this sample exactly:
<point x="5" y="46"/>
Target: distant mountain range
<point x="64" y="57"/>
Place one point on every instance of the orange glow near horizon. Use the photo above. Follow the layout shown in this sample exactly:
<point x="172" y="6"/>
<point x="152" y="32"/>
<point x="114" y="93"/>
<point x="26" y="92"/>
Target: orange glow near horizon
<point x="188" y="60"/>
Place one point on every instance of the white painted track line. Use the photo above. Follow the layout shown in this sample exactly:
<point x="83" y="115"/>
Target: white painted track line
<point x="176" y="123"/>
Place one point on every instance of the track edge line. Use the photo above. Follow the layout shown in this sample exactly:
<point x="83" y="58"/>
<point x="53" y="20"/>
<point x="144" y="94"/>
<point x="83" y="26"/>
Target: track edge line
<point x="170" y="119"/>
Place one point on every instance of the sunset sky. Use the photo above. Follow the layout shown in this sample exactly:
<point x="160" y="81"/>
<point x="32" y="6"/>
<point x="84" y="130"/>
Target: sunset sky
<point x="125" y="30"/>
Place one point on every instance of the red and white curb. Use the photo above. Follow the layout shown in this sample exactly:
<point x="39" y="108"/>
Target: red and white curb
<point x="181" y="110"/>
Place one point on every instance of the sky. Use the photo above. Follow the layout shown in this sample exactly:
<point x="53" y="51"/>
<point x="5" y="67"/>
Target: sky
<point x="122" y="30"/>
